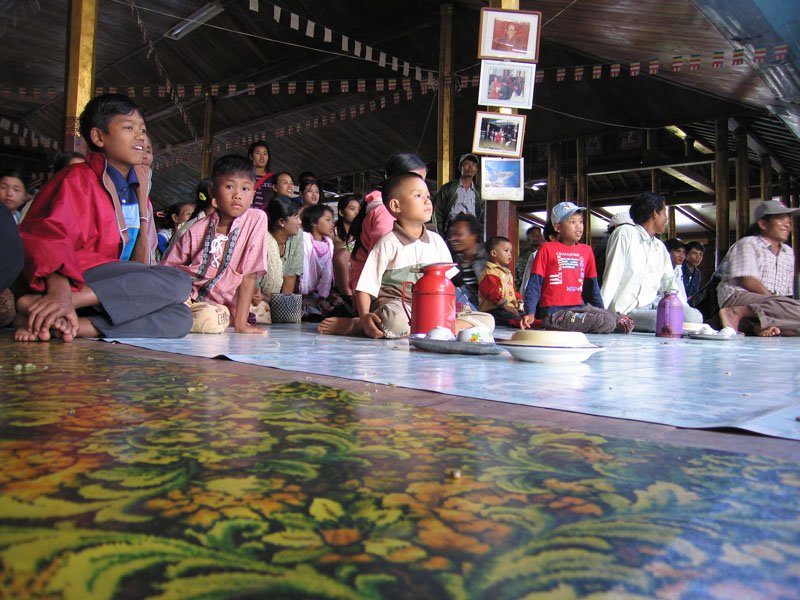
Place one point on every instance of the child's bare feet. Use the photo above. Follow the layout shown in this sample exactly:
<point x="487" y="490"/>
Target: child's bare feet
<point x="61" y="329"/>
<point x="25" y="302"/>
<point x="249" y="329"/>
<point x="339" y="326"/>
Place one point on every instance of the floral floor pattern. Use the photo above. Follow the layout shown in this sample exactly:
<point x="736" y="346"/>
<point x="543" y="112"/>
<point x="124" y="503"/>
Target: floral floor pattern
<point x="129" y="477"/>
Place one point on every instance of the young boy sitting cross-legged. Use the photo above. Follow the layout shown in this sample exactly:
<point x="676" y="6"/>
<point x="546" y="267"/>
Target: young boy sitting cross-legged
<point x="409" y="245"/>
<point x="75" y="235"/>
<point x="563" y="284"/>
<point x="226" y="251"/>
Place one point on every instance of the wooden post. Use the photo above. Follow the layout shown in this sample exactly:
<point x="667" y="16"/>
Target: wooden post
<point x="79" y="77"/>
<point x="581" y="170"/>
<point x="501" y="215"/>
<point x="553" y="176"/>
<point x="569" y="189"/>
<point x="672" y="226"/>
<point x="766" y="177"/>
<point x="721" y="187"/>
<point x="655" y="174"/>
<point x="742" y="184"/>
<point x="207" y="153"/>
<point x="444" y="141"/>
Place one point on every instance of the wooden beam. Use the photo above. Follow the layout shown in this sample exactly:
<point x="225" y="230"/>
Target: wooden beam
<point x="695" y="180"/>
<point x="766" y="177"/>
<point x="758" y="146"/>
<point x="722" y="190"/>
<point x="693" y="215"/>
<point x="655" y="181"/>
<point x="79" y="75"/>
<point x="581" y="167"/>
<point x="672" y="228"/>
<point x="742" y="184"/>
<point x="444" y="138"/>
<point x="553" y="175"/>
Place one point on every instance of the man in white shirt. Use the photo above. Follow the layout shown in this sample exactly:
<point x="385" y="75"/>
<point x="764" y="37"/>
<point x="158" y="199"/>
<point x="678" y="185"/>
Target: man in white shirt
<point x="638" y="267"/>
<point x="756" y="287"/>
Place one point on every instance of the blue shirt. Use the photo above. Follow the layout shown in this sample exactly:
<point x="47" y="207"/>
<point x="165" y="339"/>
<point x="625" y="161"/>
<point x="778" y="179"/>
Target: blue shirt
<point x="127" y="191"/>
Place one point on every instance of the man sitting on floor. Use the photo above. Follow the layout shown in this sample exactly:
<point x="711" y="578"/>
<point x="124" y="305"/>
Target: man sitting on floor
<point x="756" y="287"/>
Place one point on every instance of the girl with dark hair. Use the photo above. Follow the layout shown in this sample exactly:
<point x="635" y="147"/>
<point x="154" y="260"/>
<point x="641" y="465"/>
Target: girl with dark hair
<point x="374" y="220"/>
<point x="316" y="282"/>
<point x="260" y="156"/>
<point x="309" y="192"/>
<point x="177" y="215"/>
<point x="284" y="249"/>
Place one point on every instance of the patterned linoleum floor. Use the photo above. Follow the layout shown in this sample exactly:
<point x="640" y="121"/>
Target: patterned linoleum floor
<point x="123" y="476"/>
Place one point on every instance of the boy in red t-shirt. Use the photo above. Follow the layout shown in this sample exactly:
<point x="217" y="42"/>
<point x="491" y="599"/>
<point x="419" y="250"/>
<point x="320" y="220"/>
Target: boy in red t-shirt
<point x="563" y="283"/>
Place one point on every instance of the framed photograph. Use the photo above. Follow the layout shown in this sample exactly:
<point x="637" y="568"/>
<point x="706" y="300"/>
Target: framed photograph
<point x="506" y="84"/>
<point x="510" y="34"/>
<point x="502" y="178"/>
<point x="498" y="135"/>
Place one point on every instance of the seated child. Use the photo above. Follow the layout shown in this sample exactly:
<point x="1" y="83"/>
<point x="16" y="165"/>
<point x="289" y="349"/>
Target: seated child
<point x="317" y="278"/>
<point x="563" y="282"/>
<point x="177" y="214"/>
<point x="378" y="293"/>
<point x="496" y="287"/>
<point x="75" y="234"/>
<point x="225" y="252"/>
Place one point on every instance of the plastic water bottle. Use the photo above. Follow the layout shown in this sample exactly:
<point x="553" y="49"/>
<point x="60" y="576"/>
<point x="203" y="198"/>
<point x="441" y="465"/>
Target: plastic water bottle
<point x="669" y="316"/>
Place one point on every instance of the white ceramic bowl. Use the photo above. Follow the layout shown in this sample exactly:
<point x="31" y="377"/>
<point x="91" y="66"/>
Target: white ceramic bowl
<point x="550" y="354"/>
<point x="555" y="339"/>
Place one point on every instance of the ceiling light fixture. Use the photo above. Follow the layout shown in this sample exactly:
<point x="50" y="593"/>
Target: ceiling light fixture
<point x="193" y="21"/>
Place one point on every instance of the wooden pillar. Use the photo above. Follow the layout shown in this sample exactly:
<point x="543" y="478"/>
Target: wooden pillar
<point x="784" y="188"/>
<point x="721" y="187"/>
<point x="553" y="176"/>
<point x="582" y="177"/>
<point x="501" y="215"/>
<point x="207" y="155"/>
<point x="672" y="225"/>
<point x="444" y="141"/>
<point x="80" y="68"/>
<point x="569" y="189"/>
<point x="655" y="174"/>
<point x="766" y="177"/>
<point x="742" y="184"/>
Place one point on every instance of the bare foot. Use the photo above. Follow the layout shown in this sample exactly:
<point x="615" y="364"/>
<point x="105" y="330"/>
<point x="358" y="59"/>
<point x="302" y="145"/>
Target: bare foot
<point x="24" y="302"/>
<point x="339" y="326"/>
<point x="24" y="334"/>
<point x="731" y="317"/>
<point x="249" y="329"/>
<point x="769" y="332"/>
<point x="63" y="329"/>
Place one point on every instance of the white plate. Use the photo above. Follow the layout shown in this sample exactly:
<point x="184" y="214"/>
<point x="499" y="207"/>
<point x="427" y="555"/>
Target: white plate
<point x="454" y="347"/>
<point x="549" y="354"/>
<point x="715" y="337"/>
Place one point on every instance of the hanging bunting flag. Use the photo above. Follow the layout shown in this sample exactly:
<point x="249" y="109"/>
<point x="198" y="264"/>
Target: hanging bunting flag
<point x="345" y="44"/>
<point x="561" y="73"/>
<point x="146" y="91"/>
<point x="362" y="85"/>
<point x="597" y="71"/>
<point x="294" y="21"/>
<point x="392" y="84"/>
<point x="276" y="13"/>
<point x="677" y="63"/>
<point x="111" y="90"/>
<point x="379" y="85"/>
<point x="310" y="29"/>
<point x="325" y="120"/>
<point x="332" y="118"/>
<point x="717" y="59"/>
<point x="615" y="69"/>
<point x="181" y="91"/>
<point x="738" y="57"/>
<point x="214" y="89"/>
<point x="372" y="106"/>
<point x="394" y="63"/>
<point x="654" y="67"/>
<point x="382" y="59"/>
<point x="276" y="88"/>
<point x="352" y="112"/>
<point x="325" y="86"/>
<point x="357" y="48"/>
<point x="383" y="101"/>
<point x="578" y="74"/>
<point x="231" y="89"/>
<point x="406" y="68"/>
<point x="316" y="122"/>
<point x="368" y="53"/>
<point x="198" y="89"/>
<point x="291" y="87"/>
<point x="409" y="94"/>
<point x="476" y="80"/>
<point x="51" y="92"/>
<point x="759" y="55"/>
<point x="162" y="91"/>
<point x="327" y="36"/>
<point x="418" y="73"/>
<point x="254" y="5"/>
<point x="344" y="86"/>
<point x="396" y="97"/>
<point x="342" y="115"/>
<point x="779" y="52"/>
<point x="539" y="76"/>
<point x="430" y="78"/>
<point x="406" y="84"/>
<point x="694" y="62"/>
<point x="36" y="93"/>
<point x="131" y="92"/>
<point x="98" y="91"/>
<point x="251" y="89"/>
<point x="309" y="87"/>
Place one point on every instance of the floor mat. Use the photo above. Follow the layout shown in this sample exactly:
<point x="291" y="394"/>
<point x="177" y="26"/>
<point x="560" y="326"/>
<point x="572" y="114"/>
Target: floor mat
<point x="683" y="383"/>
<point x="129" y="477"/>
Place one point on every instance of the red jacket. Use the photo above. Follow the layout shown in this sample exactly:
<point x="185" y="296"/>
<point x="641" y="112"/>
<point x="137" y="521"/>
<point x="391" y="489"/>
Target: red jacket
<point x="75" y="223"/>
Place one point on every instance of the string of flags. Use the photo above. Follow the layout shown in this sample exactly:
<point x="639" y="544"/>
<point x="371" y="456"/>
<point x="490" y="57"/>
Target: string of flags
<point x="19" y="135"/>
<point x="349" y="47"/>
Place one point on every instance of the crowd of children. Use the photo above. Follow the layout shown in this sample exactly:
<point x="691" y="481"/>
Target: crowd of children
<point x="92" y="250"/>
